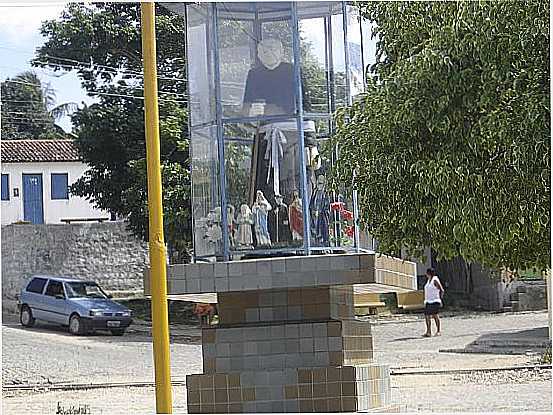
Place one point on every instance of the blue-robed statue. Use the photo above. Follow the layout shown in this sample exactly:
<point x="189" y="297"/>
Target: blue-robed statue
<point x="319" y="207"/>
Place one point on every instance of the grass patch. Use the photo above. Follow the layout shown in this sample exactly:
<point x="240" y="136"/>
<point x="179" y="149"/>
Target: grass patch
<point x="530" y="274"/>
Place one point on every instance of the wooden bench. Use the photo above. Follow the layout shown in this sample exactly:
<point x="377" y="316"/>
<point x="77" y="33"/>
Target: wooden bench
<point x="411" y="300"/>
<point x="69" y="220"/>
<point x="367" y="303"/>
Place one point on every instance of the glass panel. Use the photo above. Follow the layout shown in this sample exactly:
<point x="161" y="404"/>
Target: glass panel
<point x="369" y="46"/>
<point x="342" y="231"/>
<point x="54" y="288"/>
<point x="356" y="82"/>
<point x="319" y="195"/>
<point x="338" y="61"/>
<point x="36" y="285"/>
<point x="314" y="65"/>
<point x="206" y="210"/>
<point x="331" y="212"/>
<point x="262" y="165"/>
<point x="239" y="139"/>
<point x="256" y="64"/>
<point x="200" y="64"/>
<point x="366" y="240"/>
<point x="84" y="289"/>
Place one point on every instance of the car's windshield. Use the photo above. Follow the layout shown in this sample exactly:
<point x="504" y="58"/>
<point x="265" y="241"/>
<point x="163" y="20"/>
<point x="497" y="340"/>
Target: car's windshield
<point x="84" y="289"/>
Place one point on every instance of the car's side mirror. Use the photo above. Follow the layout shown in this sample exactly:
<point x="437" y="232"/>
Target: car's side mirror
<point x="110" y="296"/>
<point x="60" y="297"/>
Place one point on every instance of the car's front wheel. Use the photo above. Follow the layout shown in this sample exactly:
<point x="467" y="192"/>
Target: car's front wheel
<point x="117" y="332"/>
<point x="76" y="325"/>
<point x="26" y="317"/>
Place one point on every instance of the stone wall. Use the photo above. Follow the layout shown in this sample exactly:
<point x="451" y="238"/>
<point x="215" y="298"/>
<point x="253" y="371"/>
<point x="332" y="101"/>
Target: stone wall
<point x="106" y="252"/>
<point x="526" y="295"/>
<point x="474" y="286"/>
<point x="471" y="284"/>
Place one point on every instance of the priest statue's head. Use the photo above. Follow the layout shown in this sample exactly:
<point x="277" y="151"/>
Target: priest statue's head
<point x="270" y="52"/>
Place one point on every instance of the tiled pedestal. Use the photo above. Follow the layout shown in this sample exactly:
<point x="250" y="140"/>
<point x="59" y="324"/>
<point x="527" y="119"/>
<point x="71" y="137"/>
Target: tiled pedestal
<point x="288" y="350"/>
<point x="287" y="339"/>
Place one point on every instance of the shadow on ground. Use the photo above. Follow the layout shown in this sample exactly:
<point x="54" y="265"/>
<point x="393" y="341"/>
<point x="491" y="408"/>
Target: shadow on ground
<point x="531" y="341"/>
<point x="137" y="332"/>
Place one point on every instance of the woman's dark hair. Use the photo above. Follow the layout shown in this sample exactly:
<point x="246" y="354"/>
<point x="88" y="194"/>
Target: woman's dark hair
<point x="431" y="271"/>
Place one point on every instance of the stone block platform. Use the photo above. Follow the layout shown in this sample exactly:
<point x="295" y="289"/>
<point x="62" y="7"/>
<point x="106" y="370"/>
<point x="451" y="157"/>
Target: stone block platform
<point x="383" y="272"/>
<point x="287" y="339"/>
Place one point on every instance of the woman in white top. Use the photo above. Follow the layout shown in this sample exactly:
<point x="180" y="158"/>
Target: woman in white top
<point x="433" y="294"/>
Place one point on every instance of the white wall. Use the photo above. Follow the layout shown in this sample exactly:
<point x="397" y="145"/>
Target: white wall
<point x="54" y="210"/>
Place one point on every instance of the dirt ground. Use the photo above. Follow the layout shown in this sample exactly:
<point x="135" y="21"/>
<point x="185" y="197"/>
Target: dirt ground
<point x="45" y="355"/>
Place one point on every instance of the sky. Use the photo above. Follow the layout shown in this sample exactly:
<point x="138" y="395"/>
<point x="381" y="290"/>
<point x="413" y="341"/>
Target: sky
<point x="20" y="36"/>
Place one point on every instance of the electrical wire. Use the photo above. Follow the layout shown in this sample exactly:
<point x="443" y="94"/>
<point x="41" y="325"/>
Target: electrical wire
<point x="79" y="65"/>
<point x="111" y="94"/>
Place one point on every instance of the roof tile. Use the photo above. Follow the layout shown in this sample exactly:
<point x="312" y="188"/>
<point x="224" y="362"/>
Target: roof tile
<point x="25" y="151"/>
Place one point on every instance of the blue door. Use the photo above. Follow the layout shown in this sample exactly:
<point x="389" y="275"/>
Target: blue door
<point x="32" y="198"/>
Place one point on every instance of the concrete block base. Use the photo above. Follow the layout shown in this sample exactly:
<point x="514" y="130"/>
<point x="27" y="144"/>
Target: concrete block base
<point x="327" y="389"/>
<point x="288" y="350"/>
<point x="287" y="338"/>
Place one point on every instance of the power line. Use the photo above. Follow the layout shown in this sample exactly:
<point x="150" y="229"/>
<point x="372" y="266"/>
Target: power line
<point x="92" y="66"/>
<point x="42" y="71"/>
<point x="79" y="65"/>
<point x="22" y="101"/>
<point x="25" y="122"/>
<point x="134" y="96"/>
<point x="27" y="114"/>
<point x="22" y="82"/>
<point x="111" y="94"/>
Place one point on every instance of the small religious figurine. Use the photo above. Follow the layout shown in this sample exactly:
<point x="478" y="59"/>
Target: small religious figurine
<point x="295" y="215"/>
<point x="245" y="222"/>
<point x="260" y="211"/>
<point x="214" y="233"/>
<point x="279" y="226"/>
<point x="320" y="213"/>
<point x="231" y="226"/>
<point x="200" y="235"/>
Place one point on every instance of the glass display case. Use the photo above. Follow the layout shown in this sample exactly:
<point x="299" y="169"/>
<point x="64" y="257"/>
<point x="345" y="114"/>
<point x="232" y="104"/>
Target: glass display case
<point x="264" y="81"/>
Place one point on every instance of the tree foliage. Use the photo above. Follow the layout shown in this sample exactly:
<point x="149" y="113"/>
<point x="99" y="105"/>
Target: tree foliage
<point x="450" y="145"/>
<point x="29" y="109"/>
<point x="102" y="43"/>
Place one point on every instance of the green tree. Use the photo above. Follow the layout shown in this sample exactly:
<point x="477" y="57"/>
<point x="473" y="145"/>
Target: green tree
<point x="29" y="109"/>
<point x="102" y="43"/>
<point x="450" y="145"/>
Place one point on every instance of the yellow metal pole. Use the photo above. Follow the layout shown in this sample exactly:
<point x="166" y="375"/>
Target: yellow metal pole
<point x="549" y="301"/>
<point x="160" y="320"/>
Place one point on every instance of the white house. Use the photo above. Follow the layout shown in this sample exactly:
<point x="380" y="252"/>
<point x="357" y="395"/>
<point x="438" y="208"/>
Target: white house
<point x="36" y="175"/>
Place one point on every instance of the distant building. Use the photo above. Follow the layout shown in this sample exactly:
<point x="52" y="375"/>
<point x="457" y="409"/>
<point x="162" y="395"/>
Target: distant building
<point x="36" y="175"/>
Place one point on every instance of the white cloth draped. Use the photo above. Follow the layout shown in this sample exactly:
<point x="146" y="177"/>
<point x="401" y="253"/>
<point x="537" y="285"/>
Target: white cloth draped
<point x="274" y="153"/>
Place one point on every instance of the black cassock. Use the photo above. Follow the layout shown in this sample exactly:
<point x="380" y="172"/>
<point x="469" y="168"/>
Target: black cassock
<point x="274" y="88"/>
<point x="279" y="226"/>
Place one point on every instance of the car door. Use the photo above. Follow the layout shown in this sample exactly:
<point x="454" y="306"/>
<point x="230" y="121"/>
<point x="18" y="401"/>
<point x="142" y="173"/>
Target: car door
<point x="33" y="296"/>
<point x="55" y="303"/>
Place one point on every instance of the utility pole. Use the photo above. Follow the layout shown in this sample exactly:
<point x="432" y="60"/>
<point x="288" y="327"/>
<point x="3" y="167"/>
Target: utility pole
<point x="158" y="280"/>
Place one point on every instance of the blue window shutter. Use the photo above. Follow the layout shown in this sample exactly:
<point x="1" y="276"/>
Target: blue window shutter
<point x="59" y="182"/>
<point x="5" y="187"/>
